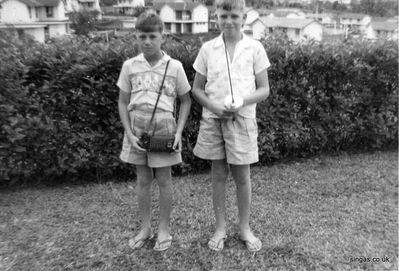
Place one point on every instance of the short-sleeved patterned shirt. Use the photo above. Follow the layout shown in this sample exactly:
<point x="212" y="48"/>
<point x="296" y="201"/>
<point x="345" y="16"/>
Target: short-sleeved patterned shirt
<point x="142" y="81"/>
<point x="249" y="59"/>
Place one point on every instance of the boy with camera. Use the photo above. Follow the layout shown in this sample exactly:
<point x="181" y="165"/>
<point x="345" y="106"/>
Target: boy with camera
<point x="149" y="84"/>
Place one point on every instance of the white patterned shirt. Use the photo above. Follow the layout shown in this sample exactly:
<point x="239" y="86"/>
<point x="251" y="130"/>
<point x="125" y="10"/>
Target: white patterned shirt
<point x="142" y="81"/>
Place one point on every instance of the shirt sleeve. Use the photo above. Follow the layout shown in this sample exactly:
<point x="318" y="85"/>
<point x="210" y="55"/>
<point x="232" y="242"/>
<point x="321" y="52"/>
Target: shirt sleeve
<point x="200" y="63"/>
<point x="123" y="81"/>
<point x="182" y="84"/>
<point x="261" y="61"/>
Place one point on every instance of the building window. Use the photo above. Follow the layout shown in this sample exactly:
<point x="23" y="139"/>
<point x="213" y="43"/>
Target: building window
<point x="187" y="16"/>
<point x="49" y="12"/>
<point x="168" y="26"/>
<point x="270" y="30"/>
<point x="90" y="4"/>
<point x="297" y="32"/>
<point x="189" y="28"/>
<point x="30" y="12"/>
<point x="178" y="28"/>
<point x="179" y="15"/>
<point x="37" y="12"/>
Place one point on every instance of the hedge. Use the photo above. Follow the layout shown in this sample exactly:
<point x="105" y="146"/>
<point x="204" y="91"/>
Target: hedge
<point x="59" y="117"/>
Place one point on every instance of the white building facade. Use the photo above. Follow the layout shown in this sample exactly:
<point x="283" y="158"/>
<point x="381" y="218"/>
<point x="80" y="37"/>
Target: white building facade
<point x="128" y="6"/>
<point x="295" y="29"/>
<point x="182" y="17"/>
<point x="388" y="30"/>
<point x="83" y="5"/>
<point x="42" y="19"/>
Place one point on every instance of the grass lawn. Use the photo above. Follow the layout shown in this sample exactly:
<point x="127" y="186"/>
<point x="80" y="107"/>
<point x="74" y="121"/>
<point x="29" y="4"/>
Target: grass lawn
<point x="326" y="213"/>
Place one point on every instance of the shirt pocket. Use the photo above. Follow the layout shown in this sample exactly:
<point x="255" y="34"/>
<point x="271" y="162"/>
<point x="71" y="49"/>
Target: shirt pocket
<point x="137" y="83"/>
<point x="169" y="88"/>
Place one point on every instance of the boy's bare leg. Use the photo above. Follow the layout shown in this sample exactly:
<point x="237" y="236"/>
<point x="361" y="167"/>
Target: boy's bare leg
<point x="164" y="178"/>
<point x="219" y="177"/>
<point x="241" y="175"/>
<point x="143" y="188"/>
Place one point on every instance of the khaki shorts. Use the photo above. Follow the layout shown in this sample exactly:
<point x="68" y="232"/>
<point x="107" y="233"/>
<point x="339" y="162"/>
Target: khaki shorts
<point x="164" y="124"/>
<point x="224" y="139"/>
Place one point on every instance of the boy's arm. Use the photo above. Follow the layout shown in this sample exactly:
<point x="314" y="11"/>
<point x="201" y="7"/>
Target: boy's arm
<point x="199" y="94"/>
<point x="185" y="105"/>
<point x="261" y="93"/>
<point x="262" y="89"/>
<point x="123" y="102"/>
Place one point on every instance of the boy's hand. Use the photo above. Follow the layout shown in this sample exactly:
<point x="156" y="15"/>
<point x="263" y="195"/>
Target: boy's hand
<point x="233" y="107"/>
<point x="221" y="111"/>
<point x="177" y="144"/>
<point x="135" y="141"/>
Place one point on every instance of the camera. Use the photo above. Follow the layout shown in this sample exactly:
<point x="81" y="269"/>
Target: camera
<point x="157" y="143"/>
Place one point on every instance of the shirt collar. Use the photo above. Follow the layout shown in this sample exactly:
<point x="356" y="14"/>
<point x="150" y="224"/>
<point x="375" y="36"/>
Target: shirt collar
<point x="244" y="41"/>
<point x="164" y="58"/>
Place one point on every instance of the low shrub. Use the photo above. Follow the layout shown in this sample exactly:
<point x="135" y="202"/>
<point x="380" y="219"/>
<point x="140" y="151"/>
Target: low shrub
<point x="59" y="112"/>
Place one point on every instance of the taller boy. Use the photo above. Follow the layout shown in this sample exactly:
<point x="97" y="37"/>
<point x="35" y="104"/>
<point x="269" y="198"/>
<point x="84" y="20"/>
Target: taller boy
<point x="228" y="132"/>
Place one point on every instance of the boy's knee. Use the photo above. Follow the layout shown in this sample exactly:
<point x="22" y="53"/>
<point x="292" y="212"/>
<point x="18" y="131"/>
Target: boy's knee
<point x="144" y="182"/>
<point x="164" y="177"/>
<point x="220" y="170"/>
<point x="219" y="176"/>
<point x="242" y="181"/>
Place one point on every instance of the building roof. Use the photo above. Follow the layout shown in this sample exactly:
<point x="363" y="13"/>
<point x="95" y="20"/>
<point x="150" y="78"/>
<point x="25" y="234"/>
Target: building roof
<point x="251" y="21"/>
<point x="352" y="15"/>
<point x="284" y="13"/>
<point x="49" y="2"/>
<point x="39" y="3"/>
<point x="385" y="26"/>
<point x="287" y="22"/>
<point x="319" y="15"/>
<point x="264" y="11"/>
<point x="177" y="5"/>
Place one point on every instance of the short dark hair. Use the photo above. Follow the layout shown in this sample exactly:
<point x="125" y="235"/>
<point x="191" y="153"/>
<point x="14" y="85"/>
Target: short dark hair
<point x="149" y="22"/>
<point x="229" y="5"/>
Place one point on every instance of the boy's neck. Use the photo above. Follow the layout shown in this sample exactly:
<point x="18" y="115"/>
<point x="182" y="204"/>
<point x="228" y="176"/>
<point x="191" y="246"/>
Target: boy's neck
<point x="232" y="39"/>
<point x="153" y="59"/>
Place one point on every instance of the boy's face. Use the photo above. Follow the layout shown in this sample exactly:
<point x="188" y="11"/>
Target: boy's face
<point x="230" y="22"/>
<point x="150" y="42"/>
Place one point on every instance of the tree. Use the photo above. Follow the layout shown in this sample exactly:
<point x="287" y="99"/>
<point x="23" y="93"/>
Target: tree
<point x="108" y="2"/>
<point x="382" y="8"/>
<point x="83" y="21"/>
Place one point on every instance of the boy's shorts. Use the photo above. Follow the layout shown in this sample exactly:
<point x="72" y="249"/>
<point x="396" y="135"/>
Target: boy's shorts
<point x="164" y="124"/>
<point x="224" y="139"/>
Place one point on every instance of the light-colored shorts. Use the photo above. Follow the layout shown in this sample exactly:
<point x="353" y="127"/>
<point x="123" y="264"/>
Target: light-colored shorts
<point x="164" y="124"/>
<point x="224" y="139"/>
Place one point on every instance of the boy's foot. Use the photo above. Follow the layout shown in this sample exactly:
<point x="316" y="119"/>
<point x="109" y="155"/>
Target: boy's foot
<point x="252" y="243"/>
<point x="164" y="244"/>
<point x="216" y="243"/>
<point x="139" y="240"/>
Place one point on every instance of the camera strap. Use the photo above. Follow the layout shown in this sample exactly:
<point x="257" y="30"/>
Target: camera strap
<point x="159" y="95"/>
<point x="228" y="72"/>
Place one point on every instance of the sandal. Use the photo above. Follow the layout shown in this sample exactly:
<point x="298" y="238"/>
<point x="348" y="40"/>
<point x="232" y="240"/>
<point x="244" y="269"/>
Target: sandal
<point x="253" y="246"/>
<point x="163" y="245"/>
<point x="139" y="243"/>
<point x="217" y="245"/>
